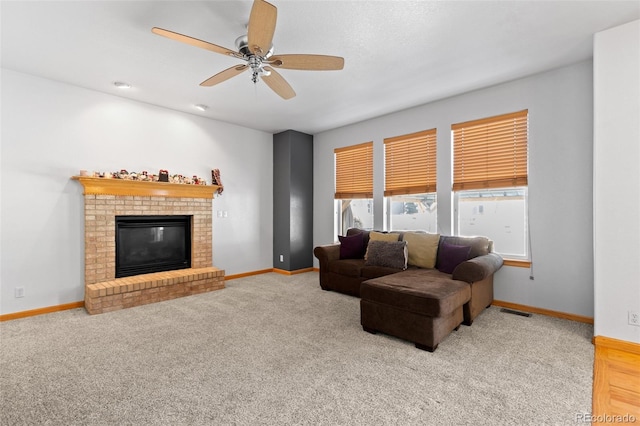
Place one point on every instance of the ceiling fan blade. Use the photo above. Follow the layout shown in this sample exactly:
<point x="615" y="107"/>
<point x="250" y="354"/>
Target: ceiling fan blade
<point x="278" y="84"/>
<point x="195" y="42"/>
<point x="262" y="25"/>
<point x="307" y="62"/>
<point x="224" y="75"/>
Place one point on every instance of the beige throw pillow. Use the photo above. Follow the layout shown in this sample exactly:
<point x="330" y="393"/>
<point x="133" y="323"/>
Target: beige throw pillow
<point x="423" y="249"/>
<point x="380" y="236"/>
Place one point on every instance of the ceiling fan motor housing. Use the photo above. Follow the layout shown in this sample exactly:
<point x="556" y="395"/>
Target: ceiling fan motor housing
<point x="255" y="60"/>
<point x="242" y="44"/>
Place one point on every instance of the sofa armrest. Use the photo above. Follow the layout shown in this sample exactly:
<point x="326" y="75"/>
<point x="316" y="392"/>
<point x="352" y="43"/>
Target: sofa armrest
<point x="478" y="268"/>
<point x="327" y="253"/>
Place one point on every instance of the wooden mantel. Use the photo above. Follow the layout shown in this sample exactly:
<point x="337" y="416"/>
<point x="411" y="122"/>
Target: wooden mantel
<point x="110" y="186"/>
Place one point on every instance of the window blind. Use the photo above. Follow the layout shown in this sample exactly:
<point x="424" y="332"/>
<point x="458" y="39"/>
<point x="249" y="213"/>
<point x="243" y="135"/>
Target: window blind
<point x="491" y="152"/>
<point x="354" y="171"/>
<point x="410" y="164"/>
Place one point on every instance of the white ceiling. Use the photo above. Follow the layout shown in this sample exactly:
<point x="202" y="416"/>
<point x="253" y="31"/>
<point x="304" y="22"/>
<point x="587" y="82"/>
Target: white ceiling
<point x="398" y="54"/>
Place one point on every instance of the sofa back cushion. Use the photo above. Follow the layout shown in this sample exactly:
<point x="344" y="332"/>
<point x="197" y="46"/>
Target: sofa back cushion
<point x="365" y="235"/>
<point x="479" y="245"/>
<point x="423" y="249"/>
<point x="383" y="236"/>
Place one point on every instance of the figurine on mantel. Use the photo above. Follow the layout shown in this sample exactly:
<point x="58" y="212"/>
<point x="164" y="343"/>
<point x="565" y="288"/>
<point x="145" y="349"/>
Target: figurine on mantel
<point x="215" y="180"/>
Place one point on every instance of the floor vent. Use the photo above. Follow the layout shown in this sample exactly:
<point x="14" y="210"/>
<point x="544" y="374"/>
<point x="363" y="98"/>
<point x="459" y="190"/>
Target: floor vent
<point x="511" y="311"/>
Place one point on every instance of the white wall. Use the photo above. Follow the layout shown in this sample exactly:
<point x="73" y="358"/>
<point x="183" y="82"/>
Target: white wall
<point x="51" y="130"/>
<point x="560" y="104"/>
<point x="617" y="180"/>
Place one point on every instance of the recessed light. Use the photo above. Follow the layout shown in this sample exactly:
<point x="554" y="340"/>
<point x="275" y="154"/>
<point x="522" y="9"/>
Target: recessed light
<point x="122" y="85"/>
<point x="201" y="107"/>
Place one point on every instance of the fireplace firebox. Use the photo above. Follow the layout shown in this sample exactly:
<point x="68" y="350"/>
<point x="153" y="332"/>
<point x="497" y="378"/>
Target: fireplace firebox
<point x="147" y="244"/>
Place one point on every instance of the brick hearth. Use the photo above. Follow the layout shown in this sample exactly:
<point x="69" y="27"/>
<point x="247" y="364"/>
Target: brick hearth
<point x="105" y="199"/>
<point x="150" y="288"/>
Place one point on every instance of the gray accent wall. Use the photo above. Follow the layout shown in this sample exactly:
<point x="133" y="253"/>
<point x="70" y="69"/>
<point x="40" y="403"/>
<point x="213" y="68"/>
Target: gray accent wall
<point x="292" y="200"/>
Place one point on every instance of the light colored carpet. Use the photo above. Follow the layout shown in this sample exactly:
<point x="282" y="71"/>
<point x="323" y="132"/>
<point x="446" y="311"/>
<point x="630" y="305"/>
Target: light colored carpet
<point x="277" y="350"/>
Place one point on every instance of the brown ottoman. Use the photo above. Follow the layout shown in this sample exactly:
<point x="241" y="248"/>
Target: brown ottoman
<point x="419" y="305"/>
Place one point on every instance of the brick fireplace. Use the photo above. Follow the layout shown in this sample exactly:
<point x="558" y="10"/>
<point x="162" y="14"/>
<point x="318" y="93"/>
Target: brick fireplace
<point x="104" y="199"/>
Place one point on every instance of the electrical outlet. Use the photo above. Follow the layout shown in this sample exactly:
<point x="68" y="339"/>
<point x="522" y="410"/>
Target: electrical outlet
<point x="281" y="258"/>
<point x="19" y="292"/>
<point x="634" y="318"/>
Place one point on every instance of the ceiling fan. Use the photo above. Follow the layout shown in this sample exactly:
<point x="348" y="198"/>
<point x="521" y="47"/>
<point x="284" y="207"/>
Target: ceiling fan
<point x="256" y="49"/>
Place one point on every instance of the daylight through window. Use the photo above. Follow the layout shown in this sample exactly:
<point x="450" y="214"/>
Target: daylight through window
<point x="490" y="178"/>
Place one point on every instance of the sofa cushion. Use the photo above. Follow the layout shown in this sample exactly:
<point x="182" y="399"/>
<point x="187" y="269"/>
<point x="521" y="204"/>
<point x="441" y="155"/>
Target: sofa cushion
<point x="382" y="236"/>
<point x="368" y="272"/>
<point x="450" y="256"/>
<point x="423" y="249"/>
<point x="379" y="236"/>
<point x="390" y="254"/>
<point x="365" y="234"/>
<point x="348" y="267"/>
<point x="423" y="291"/>
<point x="479" y="245"/>
<point x="351" y="246"/>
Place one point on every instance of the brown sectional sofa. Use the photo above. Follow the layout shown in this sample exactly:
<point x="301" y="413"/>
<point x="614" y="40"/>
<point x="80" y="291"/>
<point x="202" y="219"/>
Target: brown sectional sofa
<point x="416" y="304"/>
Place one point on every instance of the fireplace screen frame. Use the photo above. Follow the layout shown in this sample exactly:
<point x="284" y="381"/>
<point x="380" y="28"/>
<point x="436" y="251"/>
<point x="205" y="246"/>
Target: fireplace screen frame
<point x="184" y="222"/>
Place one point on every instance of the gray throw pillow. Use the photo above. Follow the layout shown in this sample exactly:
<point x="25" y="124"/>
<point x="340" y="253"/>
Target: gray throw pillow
<point x="390" y="254"/>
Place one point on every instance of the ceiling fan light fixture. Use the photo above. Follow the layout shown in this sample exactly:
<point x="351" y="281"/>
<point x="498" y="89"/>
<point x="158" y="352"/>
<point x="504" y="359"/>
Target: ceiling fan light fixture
<point x="122" y="85"/>
<point x="201" y="107"/>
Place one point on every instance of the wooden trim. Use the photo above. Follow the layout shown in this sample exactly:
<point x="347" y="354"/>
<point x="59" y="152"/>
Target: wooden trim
<point x="620" y="345"/>
<point x="616" y="381"/>
<point x="266" y="271"/>
<point x="489" y="120"/>
<point x="517" y="263"/>
<point x="123" y="187"/>
<point x="351" y="147"/>
<point x="297" y="271"/>
<point x="40" y="311"/>
<point x="247" y="274"/>
<point x="542" y="311"/>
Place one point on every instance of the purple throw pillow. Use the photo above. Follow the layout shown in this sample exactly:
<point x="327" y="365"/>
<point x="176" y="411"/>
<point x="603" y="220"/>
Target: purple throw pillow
<point x="351" y="246"/>
<point x="450" y="256"/>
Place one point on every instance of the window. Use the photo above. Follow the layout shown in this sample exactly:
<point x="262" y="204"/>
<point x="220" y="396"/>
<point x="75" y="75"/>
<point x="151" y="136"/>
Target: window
<point x="410" y="181"/>
<point x="490" y="178"/>
<point x="354" y="187"/>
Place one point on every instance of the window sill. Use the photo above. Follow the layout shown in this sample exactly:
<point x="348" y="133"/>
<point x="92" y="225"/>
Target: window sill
<point x="517" y="263"/>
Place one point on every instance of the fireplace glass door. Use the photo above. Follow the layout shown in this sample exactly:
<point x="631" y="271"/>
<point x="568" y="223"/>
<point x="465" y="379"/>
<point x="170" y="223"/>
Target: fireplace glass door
<point x="146" y="244"/>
